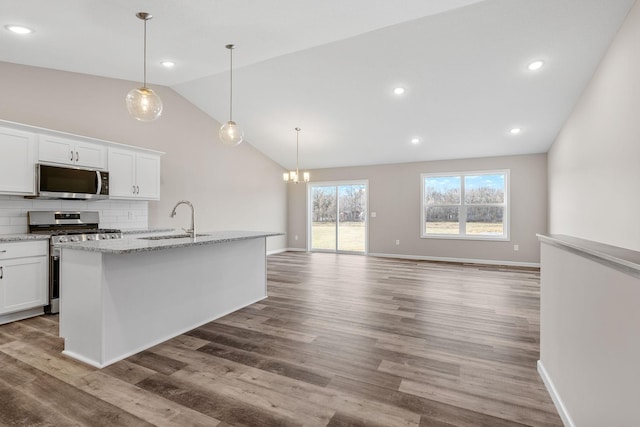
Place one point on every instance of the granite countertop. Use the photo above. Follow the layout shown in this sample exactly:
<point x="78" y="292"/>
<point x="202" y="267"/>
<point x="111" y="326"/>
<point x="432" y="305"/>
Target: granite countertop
<point x="128" y="245"/>
<point x="613" y="256"/>
<point x="23" y="237"/>
<point x="148" y="230"/>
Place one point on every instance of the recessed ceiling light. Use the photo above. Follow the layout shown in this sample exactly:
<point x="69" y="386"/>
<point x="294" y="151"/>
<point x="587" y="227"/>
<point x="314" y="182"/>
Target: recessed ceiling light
<point x="398" y="90"/>
<point x="515" y="131"/>
<point x="535" y="65"/>
<point x="18" y="29"/>
<point x="415" y="140"/>
<point x="168" y="64"/>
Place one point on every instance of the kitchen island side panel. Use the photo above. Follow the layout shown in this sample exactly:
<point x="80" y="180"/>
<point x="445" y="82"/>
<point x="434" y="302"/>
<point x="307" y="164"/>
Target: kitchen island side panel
<point x="81" y="297"/>
<point x="150" y="297"/>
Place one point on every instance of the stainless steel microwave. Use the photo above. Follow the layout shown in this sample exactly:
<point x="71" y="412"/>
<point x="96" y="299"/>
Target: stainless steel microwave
<point x="59" y="182"/>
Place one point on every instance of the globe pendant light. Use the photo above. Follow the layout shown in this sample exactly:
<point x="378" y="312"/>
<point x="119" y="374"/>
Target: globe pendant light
<point x="143" y="103"/>
<point x="295" y="176"/>
<point x="230" y="133"/>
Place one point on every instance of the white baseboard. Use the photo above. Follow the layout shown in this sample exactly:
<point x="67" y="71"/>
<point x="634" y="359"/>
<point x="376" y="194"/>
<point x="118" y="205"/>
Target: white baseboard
<point x="557" y="401"/>
<point x="277" y="251"/>
<point x="19" y="315"/>
<point x="460" y="260"/>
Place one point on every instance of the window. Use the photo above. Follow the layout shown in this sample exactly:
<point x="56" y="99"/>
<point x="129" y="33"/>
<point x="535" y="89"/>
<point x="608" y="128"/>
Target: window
<point x="468" y="205"/>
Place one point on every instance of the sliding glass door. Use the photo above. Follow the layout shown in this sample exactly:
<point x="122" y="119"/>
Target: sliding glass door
<point x="338" y="216"/>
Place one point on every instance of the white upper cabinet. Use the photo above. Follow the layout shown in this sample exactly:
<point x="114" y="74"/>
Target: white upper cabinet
<point x="53" y="149"/>
<point x="148" y="176"/>
<point x="133" y="174"/>
<point x="17" y="162"/>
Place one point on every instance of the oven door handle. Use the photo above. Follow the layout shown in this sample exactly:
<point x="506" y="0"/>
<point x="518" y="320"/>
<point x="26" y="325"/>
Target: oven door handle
<point x="99" y="177"/>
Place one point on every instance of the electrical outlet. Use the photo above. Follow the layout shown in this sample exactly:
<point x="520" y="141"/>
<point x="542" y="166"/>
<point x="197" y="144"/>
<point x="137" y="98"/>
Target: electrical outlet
<point x="295" y="237"/>
<point x="397" y="242"/>
<point x="516" y="247"/>
<point x="373" y="214"/>
<point x="131" y="215"/>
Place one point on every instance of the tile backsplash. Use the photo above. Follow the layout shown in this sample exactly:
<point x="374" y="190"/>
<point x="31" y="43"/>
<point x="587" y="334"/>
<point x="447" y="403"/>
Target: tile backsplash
<point x="122" y="214"/>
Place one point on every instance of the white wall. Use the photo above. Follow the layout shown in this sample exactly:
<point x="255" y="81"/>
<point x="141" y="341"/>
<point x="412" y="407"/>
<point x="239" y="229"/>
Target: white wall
<point x="394" y="194"/>
<point x="589" y="345"/>
<point x="594" y="165"/>
<point x="589" y="313"/>
<point x="231" y="187"/>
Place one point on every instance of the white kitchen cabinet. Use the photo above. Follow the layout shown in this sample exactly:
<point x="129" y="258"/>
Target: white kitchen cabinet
<point x="17" y="159"/>
<point x="53" y="149"/>
<point x="133" y="174"/>
<point x="23" y="275"/>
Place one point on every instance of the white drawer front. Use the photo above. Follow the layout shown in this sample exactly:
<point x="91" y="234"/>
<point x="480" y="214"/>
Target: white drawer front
<point x="9" y="250"/>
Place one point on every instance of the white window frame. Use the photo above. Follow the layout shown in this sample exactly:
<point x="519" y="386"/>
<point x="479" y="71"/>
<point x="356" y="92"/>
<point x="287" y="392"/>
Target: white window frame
<point x="462" y="214"/>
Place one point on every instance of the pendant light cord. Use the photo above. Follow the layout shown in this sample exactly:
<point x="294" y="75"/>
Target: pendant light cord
<point x="144" y="84"/>
<point x="230" y="47"/>
<point x="297" y="151"/>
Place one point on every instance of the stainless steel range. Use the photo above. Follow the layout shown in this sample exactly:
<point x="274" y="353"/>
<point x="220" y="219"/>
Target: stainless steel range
<point x="65" y="227"/>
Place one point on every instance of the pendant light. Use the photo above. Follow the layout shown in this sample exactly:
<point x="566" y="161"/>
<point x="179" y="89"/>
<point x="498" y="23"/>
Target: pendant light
<point x="143" y="103"/>
<point x="230" y="133"/>
<point x="295" y="176"/>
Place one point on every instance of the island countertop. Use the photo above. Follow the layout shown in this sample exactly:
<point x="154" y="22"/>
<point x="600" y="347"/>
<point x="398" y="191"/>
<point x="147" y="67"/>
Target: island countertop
<point x="140" y="244"/>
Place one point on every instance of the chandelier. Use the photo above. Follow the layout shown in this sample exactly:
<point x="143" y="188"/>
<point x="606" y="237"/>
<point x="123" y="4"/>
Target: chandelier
<point x="294" y="176"/>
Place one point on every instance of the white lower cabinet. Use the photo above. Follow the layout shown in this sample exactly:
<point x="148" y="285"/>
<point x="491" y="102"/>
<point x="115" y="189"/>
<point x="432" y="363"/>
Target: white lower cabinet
<point x="23" y="276"/>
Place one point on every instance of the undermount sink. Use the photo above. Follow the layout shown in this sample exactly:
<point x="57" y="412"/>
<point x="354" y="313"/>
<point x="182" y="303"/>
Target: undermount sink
<point x="172" y="236"/>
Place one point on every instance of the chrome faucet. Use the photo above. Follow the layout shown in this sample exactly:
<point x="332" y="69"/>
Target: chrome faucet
<point x="192" y="230"/>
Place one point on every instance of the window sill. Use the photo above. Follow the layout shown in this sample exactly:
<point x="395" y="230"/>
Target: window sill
<point x="467" y="237"/>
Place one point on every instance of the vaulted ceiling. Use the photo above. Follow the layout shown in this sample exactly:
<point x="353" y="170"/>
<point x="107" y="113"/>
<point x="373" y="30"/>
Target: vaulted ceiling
<point x="330" y="67"/>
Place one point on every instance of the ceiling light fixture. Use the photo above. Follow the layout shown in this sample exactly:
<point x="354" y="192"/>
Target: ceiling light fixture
<point x="535" y="65"/>
<point x="515" y="131"/>
<point x="168" y="64"/>
<point x="143" y="103"/>
<point x="230" y="133"/>
<point x="398" y="90"/>
<point x="19" y="29"/>
<point x="415" y="141"/>
<point x="294" y="176"/>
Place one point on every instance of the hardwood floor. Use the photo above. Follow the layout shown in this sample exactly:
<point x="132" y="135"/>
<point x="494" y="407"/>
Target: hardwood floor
<point x="342" y="340"/>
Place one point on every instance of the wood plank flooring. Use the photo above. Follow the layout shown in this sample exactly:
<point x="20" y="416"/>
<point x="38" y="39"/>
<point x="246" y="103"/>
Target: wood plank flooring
<point x="342" y="340"/>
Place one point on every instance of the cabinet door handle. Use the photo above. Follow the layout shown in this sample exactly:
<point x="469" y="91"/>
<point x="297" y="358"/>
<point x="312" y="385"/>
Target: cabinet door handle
<point x="1" y="272"/>
<point x="134" y="189"/>
<point x="71" y="156"/>
<point x="77" y="156"/>
<point x="4" y="251"/>
<point x="137" y="189"/>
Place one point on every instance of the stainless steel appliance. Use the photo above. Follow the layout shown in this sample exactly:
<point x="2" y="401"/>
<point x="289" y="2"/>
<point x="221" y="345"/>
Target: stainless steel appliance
<point x="65" y="227"/>
<point x="60" y="182"/>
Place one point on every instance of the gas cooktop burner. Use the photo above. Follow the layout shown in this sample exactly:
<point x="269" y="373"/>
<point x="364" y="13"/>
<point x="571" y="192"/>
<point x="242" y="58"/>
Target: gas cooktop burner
<point x="80" y="231"/>
<point x="84" y="237"/>
<point x="70" y="226"/>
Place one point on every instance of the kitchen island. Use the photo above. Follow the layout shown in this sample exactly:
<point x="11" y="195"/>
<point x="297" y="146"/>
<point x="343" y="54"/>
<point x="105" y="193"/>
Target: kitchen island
<point x="119" y="297"/>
